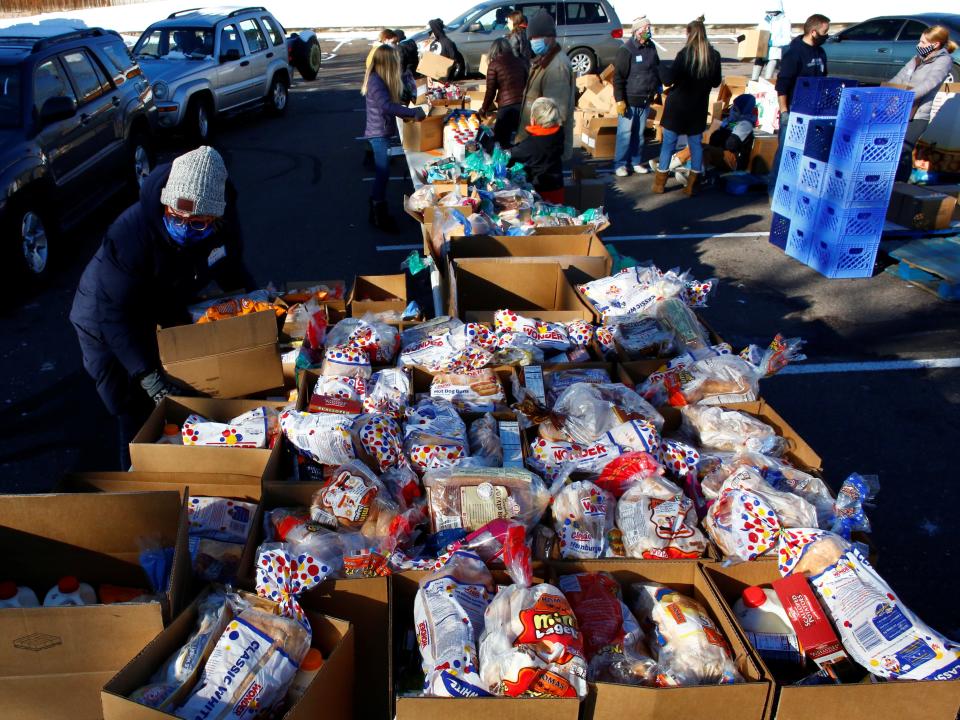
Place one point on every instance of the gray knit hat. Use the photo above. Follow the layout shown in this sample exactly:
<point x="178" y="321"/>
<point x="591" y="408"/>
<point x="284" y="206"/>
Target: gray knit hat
<point x="542" y="25"/>
<point x="197" y="183"/>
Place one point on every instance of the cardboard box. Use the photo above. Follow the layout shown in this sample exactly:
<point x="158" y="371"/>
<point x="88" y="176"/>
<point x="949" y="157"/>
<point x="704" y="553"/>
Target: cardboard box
<point x="484" y="64"/>
<point x="951" y="190"/>
<point x="377" y="294"/>
<point x="584" y="252"/>
<point x="53" y="661"/>
<point x="434" y="66"/>
<point x="602" y="100"/>
<point x="426" y="134"/>
<point x="762" y="154"/>
<point x="329" y="694"/>
<point x="740" y="701"/>
<point x="946" y="92"/>
<point x="731" y="87"/>
<point x="580" y="119"/>
<point x="600" y="138"/>
<point x="937" y="700"/>
<point x="479" y="288"/>
<point x="589" y="82"/>
<point x="755" y="44"/>
<point x="920" y="208"/>
<point x="229" y="358"/>
<point x="584" y="190"/>
<point x="146" y="455"/>
<point x="607" y="74"/>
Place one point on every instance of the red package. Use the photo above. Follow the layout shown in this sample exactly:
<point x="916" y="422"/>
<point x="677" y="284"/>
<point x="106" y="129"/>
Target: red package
<point x="622" y="472"/>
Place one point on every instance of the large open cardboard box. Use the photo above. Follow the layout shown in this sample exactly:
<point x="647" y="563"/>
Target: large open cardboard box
<point x="330" y="694"/>
<point x="146" y="455"/>
<point x="426" y="134"/>
<point x="228" y="358"/>
<point x="377" y="294"/>
<point x="931" y="700"/>
<point x="580" y="250"/>
<point x="54" y="660"/>
<point x="741" y="701"/>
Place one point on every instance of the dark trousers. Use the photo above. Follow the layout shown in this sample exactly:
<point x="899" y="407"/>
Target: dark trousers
<point x="508" y="122"/>
<point x="381" y="162"/>
<point x="915" y="129"/>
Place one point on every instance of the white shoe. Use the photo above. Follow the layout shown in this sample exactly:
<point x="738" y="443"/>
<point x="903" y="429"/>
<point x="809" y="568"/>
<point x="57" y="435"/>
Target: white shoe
<point x="680" y="175"/>
<point x="675" y="163"/>
<point x="653" y="165"/>
<point x="620" y="172"/>
<point x="641" y="169"/>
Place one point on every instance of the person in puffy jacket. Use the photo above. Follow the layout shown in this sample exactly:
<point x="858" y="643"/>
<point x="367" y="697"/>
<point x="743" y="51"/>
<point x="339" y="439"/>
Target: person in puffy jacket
<point x="691" y="75"/>
<point x="542" y="151"/>
<point x="636" y="80"/>
<point x="506" y="81"/>
<point x="924" y="74"/>
<point x="517" y="25"/>
<point x="182" y="234"/>
<point x="382" y="88"/>
<point x="445" y="47"/>
<point x="409" y="59"/>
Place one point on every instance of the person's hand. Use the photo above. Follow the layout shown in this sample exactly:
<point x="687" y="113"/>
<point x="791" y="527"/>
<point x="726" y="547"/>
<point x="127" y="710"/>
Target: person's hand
<point x="420" y="115"/>
<point x="784" y="120"/>
<point x="158" y="386"/>
<point x="621" y="108"/>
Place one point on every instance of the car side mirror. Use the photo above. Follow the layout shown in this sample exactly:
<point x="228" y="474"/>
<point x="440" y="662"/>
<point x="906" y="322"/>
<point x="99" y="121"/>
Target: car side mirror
<point x="231" y="54"/>
<point x="475" y="27"/>
<point x="57" y="108"/>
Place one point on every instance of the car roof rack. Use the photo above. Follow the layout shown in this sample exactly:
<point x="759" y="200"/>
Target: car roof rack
<point x="252" y="8"/>
<point x="178" y="13"/>
<point x="46" y="42"/>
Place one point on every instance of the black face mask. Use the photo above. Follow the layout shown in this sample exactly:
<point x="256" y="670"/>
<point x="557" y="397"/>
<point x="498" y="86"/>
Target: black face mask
<point x="820" y="39"/>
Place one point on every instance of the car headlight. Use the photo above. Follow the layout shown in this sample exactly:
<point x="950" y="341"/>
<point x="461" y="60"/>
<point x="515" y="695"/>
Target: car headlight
<point x="160" y="90"/>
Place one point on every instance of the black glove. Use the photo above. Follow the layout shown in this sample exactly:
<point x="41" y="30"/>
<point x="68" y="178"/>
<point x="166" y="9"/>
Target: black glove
<point x="157" y="386"/>
<point x="420" y="115"/>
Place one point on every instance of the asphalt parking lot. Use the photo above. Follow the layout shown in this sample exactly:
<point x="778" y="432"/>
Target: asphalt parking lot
<point x="303" y="203"/>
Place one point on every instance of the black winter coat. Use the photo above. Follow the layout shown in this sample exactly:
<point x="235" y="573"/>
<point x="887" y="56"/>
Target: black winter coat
<point x="685" y="110"/>
<point x="636" y="77"/>
<point x="140" y="279"/>
<point x="542" y="158"/>
<point x="448" y="49"/>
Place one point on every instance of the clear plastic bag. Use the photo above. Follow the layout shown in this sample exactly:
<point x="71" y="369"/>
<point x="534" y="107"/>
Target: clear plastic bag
<point x="689" y="335"/>
<point x="325" y="437"/>
<point x="379" y="340"/>
<point x="583" y="516"/>
<point x="485" y="444"/>
<point x="252" y="429"/>
<point x="731" y="430"/>
<point x="658" y="522"/>
<point x="588" y="411"/>
<point x="624" y="472"/>
<point x="474" y="391"/>
<point x="435" y="436"/>
<point x="350" y="495"/>
<point x="641" y="336"/>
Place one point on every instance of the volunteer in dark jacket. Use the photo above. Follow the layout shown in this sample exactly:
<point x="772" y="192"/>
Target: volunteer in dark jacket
<point x="804" y="58"/>
<point x="517" y="23"/>
<point x="180" y="236"/>
<point x="636" y="79"/>
<point x="691" y="75"/>
<point x="542" y="151"/>
<point x="442" y="45"/>
<point x="409" y="58"/>
<point x="382" y="89"/>
<point x="924" y="74"/>
<point x="506" y="81"/>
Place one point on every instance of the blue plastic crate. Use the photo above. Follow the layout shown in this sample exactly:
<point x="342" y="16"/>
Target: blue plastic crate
<point x="812" y="174"/>
<point x="805" y="208"/>
<point x="819" y="138"/>
<point x="853" y="259"/>
<point x="862" y="107"/>
<point x="837" y="223"/>
<point x="853" y="147"/>
<point x="783" y="197"/>
<point x="819" y="96"/>
<point x="789" y="165"/>
<point x="779" y="229"/>
<point x="800" y="241"/>
<point x="863" y="186"/>
<point x="796" y="132"/>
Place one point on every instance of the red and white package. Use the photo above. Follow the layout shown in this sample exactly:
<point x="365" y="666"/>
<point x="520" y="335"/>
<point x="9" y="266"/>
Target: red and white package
<point x="659" y="522"/>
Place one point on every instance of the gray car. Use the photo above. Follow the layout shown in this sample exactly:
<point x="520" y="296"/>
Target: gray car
<point x="206" y="62"/>
<point x="874" y="51"/>
<point x="589" y="32"/>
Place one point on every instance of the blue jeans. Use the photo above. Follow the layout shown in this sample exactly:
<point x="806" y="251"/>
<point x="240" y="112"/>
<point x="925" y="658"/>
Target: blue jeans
<point x="669" y="146"/>
<point x="630" y="127"/>
<point x="381" y="161"/>
<point x="775" y="170"/>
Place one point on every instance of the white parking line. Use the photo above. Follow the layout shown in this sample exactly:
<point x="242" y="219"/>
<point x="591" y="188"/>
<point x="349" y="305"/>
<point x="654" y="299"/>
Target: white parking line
<point x="685" y="236"/>
<point x="875" y="366"/>
<point x="391" y="248"/>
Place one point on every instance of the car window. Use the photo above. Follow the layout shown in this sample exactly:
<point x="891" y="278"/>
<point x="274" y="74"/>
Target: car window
<point x="873" y="30"/>
<point x="254" y="35"/>
<point x="9" y="96"/>
<point x="273" y="29"/>
<point x="493" y="19"/>
<point x="176" y="43"/>
<point x="88" y="79"/>
<point x="119" y="60"/>
<point x="912" y="31"/>
<point x="587" y="13"/>
<point x="230" y="40"/>
<point x="531" y="9"/>
<point x="50" y="81"/>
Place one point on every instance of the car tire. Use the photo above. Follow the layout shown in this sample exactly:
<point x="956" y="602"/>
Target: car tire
<point x="583" y="61"/>
<point x="306" y="57"/>
<point x="141" y="158"/>
<point x="277" y="96"/>
<point x="199" y="120"/>
<point x="30" y="230"/>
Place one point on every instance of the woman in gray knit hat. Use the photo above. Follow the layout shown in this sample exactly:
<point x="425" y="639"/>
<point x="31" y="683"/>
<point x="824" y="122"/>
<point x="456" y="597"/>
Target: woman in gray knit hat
<point x="182" y="234"/>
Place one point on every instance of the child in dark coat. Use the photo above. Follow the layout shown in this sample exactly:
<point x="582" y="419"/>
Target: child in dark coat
<point x="542" y="151"/>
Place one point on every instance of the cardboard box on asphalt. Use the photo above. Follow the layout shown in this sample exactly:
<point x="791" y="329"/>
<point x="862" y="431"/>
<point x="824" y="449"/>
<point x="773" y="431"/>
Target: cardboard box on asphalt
<point x="54" y="660"/>
<point x="755" y="44"/>
<point x="929" y="699"/>
<point x="434" y="66"/>
<point x="478" y="288"/>
<point x="741" y="701"/>
<point x="377" y="294"/>
<point x="583" y="251"/>
<point x="584" y="190"/>
<point x="148" y="456"/>
<point x="329" y="695"/>
<point x="427" y="134"/>
<point x="762" y="154"/>
<point x="600" y="137"/>
<point x="580" y="119"/>
<point x="236" y="357"/>
<point x="920" y="207"/>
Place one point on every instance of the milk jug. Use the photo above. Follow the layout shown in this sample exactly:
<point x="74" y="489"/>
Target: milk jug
<point x="70" y="591"/>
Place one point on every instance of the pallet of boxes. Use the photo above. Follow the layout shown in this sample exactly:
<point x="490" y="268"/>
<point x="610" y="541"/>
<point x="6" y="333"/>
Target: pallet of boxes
<point x="595" y="117"/>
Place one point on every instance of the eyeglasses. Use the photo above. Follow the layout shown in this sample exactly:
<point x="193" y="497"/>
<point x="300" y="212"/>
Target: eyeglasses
<point x="194" y="222"/>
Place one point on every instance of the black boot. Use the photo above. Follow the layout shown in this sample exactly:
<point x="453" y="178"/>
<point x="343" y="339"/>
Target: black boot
<point x="381" y="217"/>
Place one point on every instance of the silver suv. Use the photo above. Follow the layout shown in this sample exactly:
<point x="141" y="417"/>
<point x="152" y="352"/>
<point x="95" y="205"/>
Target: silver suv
<point x="205" y="62"/>
<point x="590" y="32"/>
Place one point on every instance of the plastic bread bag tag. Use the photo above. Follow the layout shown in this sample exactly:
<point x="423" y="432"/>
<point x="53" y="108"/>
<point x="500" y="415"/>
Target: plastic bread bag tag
<point x="448" y="613"/>
<point x="877" y="629"/>
<point x="856" y="493"/>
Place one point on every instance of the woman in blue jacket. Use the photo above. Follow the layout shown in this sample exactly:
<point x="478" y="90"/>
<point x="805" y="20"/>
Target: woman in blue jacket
<point x="382" y="87"/>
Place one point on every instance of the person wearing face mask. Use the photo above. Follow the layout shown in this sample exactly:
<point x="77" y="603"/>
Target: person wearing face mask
<point x="924" y="74"/>
<point x="182" y="235"/>
<point x="386" y="37"/>
<point x="517" y="35"/>
<point x="804" y="58"/>
<point x="636" y="79"/>
<point x="550" y="76"/>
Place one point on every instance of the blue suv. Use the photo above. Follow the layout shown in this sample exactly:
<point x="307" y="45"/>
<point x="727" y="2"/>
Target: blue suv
<point x="76" y="118"/>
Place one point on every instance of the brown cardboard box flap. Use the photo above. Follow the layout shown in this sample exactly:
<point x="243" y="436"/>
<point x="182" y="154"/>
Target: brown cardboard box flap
<point x="584" y="251"/>
<point x="434" y="66"/>
<point x="190" y="342"/>
<point x="243" y="487"/>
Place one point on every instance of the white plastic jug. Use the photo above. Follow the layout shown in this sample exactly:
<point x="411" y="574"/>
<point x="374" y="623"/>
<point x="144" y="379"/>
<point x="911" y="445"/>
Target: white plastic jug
<point x="768" y="627"/>
<point x="70" y="591"/>
<point x="12" y="596"/>
<point x="171" y="435"/>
